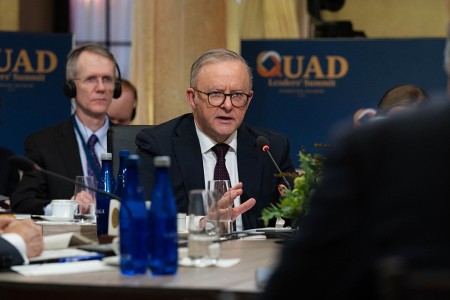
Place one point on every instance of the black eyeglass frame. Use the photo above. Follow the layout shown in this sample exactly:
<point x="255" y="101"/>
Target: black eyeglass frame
<point x="224" y="97"/>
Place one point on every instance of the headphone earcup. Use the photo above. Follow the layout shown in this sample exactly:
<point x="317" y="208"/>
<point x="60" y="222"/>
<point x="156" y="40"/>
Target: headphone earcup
<point x="117" y="89"/>
<point x="70" y="89"/>
<point x="133" y="113"/>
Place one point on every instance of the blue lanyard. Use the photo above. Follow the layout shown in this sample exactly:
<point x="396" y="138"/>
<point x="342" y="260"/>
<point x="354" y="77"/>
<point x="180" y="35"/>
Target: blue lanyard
<point x="89" y="157"/>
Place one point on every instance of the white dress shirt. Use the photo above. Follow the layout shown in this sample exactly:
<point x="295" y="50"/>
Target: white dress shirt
<point x="209" y="163"/>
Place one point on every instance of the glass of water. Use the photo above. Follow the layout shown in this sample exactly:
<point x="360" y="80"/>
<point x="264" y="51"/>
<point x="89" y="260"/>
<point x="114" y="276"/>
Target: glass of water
<point x="85" y="200"/>
<point x="203" y="228"/>
<point x="221" y="187"/>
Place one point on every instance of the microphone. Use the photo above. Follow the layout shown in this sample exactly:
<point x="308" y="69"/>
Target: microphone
<point x="27" y="165"/>
<point x="263" y="143"/>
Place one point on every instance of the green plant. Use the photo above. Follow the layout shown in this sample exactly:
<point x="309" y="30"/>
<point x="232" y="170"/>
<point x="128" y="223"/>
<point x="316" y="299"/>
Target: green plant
<point x="294" y="202"/>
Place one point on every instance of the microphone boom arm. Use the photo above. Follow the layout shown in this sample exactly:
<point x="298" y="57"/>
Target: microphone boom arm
<point x="63" y="178"/>
<point x="278" y="168"/>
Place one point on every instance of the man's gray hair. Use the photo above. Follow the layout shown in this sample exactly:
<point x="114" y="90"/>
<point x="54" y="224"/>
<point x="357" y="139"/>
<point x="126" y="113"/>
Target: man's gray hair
<point x="214" y="56"/>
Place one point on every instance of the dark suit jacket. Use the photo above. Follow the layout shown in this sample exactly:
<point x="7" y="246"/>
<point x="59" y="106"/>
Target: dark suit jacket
<point x="178" y="139"/>
<point x="9" y="255"/>
<point x="9" y="176"/>
<point x="385" y="191"/>
<point x="55" y="149"/>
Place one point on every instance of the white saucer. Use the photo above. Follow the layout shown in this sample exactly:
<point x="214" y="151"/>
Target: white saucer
<point x="182" y="234"/>
<point x="56" y="219"/>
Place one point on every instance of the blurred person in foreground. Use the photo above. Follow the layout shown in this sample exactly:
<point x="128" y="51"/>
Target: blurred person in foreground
<point x="9" y="175"/>
<point x="63" y="148"/>
<point x="122" y="110"/>
<point x="19" y="240"/>
<point x="219" y="95"/>
<point x="9" y="178"/>
<point x="384" y="192"/>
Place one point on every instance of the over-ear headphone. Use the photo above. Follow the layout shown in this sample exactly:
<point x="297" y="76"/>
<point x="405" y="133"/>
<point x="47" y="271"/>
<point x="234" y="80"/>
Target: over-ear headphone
<point x="70" y="89"/>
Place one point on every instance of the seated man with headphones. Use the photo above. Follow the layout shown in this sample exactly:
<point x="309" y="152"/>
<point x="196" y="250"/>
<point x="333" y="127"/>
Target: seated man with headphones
<point x="123" y="109"/>
<point x="71" y="147"/>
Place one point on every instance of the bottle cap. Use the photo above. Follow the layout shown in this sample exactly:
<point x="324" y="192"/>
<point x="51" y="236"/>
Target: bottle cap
<point x="106" y="156"/>
<point x="133" y="157"/>
<point x="123" y="153"/>
<point x="161" y="161"/>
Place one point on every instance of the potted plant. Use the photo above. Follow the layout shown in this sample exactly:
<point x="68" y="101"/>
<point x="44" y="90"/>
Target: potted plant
<point x="294" y="203"/>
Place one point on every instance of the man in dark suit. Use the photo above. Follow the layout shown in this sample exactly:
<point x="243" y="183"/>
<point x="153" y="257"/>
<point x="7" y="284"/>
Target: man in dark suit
<point x="64" y="148"/>
<point x="19" y="240"/>
<point x="220" y="93"/>
<point x="384" y="192"/>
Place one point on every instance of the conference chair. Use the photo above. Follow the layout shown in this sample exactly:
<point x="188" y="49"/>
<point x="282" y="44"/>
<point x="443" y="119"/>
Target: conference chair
<point x="122" y="137"/>
<point x="399" y="280"/>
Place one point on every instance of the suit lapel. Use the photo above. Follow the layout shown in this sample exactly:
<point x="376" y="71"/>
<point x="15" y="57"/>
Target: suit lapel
<point x="249" y="170"/>
<point x="188" y="155"/>
<point x="68" y="149"/>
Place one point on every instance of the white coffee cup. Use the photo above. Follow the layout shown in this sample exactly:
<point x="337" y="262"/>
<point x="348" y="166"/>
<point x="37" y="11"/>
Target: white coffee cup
<point x="63" y="208"/>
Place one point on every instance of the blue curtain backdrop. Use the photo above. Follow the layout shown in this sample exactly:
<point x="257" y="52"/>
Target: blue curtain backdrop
<point x="32" y="72"/>
<point x="310" y="89"/>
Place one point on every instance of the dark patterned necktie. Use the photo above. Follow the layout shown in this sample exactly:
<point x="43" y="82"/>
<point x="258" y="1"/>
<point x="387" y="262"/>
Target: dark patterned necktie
<point x="220" y="171"/>
<point x="91" y="144"/>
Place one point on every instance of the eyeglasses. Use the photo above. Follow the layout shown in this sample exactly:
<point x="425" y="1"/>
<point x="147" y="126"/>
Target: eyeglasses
<point x="93" y="80"/>
<point x="216" y="99"/>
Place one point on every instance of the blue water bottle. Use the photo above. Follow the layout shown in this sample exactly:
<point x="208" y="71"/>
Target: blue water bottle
<point x="133" y="226"/>
<point x="163" y="237"/>
<point x="106" y="183"/>
<point x="122" y="173"/>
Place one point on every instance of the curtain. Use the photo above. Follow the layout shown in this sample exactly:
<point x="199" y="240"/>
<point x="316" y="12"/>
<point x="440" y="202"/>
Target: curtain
<point x="195" y="25"/>
<point x="107" y="22"/>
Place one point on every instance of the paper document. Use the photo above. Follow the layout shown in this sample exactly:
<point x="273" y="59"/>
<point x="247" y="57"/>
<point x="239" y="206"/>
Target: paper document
<point x="65" y="240"/>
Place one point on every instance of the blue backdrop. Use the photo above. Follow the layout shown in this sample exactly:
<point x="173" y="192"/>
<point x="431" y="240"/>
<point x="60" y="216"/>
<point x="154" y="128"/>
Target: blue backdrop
<point x="32" y="67"/>
<point x="307" y="89"/>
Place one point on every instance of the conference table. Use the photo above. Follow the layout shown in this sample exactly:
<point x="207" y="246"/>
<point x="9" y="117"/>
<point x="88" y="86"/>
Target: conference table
<point x="257" y="255"/>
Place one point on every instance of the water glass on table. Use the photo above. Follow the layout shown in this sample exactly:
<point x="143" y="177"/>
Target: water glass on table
<point x="203" y="230"/>
<point x="85" y="200"/>
<point x="221" y="187"/>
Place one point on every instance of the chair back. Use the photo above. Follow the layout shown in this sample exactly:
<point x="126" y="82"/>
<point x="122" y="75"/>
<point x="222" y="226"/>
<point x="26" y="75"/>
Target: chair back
<point x="122" y="137"/>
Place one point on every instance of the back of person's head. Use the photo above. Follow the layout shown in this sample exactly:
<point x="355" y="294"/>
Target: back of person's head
<point x="126" y="84"/>
<point x="217" y="55"/>
<point x="123" y="109"/>
<point x="401" y="98"/>
<point x="447" y="59"/>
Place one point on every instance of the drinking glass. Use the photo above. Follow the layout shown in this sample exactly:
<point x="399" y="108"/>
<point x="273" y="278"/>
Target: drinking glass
<point x="203" y="230"/>
<point x="221" y="187"/>
<point x="85" y="200"/>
